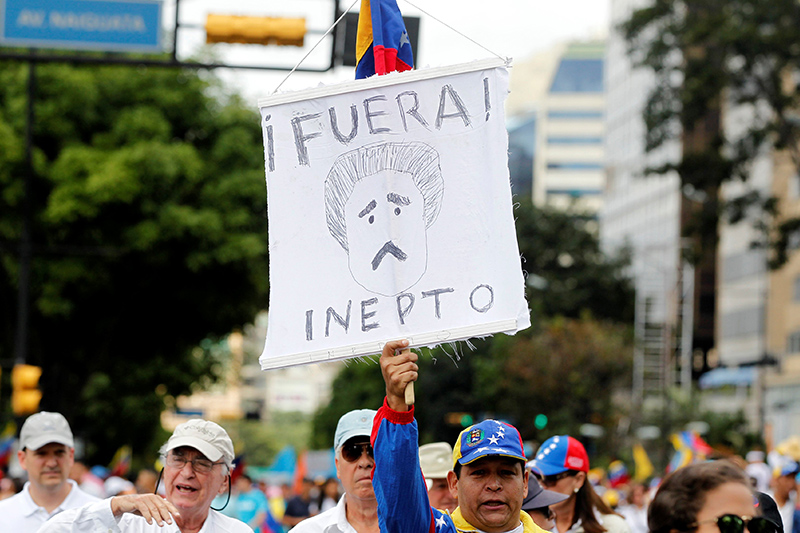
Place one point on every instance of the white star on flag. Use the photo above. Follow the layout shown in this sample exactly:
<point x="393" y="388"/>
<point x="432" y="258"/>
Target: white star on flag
<point x="440" y="522"/>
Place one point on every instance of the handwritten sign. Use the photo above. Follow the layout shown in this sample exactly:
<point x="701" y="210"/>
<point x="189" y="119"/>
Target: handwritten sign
<point x="390" y="214"/>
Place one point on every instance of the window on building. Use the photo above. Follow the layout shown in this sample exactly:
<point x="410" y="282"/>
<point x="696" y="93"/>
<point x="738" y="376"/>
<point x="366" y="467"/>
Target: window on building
<point x="793" y="342"/>
<point x="575" y="165"/>
<point x="573" y="114"/>
<point x="521" y="154"/>
<point x="575" y="139"/>
<point x="578" y="76"/>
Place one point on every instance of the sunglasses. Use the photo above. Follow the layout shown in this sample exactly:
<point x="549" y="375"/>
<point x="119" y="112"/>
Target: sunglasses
<point x="731" y="523"/>
<point x="352" y="451"/>
<point x="549" y="481"/>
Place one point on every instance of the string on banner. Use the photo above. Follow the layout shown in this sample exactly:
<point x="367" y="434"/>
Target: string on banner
<point x="315" y="46"/>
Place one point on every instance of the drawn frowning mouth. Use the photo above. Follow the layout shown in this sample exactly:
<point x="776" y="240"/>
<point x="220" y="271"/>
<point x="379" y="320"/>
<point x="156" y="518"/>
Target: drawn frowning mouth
<point x="388" y="248"/>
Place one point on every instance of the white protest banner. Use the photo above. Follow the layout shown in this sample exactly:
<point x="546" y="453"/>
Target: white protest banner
<point x="390" y="214"/>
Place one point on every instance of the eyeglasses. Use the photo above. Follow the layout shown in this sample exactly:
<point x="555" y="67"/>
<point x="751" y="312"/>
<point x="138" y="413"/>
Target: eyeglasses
<point x="352" y="451"/>
<point x="731" y="523"/>
<point x="201" y="465"/>
<point x="549" y="481"/>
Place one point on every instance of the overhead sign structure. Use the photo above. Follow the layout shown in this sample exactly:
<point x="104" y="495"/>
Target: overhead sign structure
<point x="390" y="214"/>
<point x="108" y="25"/>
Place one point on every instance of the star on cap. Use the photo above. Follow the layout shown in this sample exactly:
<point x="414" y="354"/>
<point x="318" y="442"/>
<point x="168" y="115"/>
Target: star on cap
<point x="494" y="439"/>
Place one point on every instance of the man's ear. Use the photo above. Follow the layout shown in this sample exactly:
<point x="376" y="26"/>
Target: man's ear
<point x="452" y="484"/>
<point x="21" y="459"/>
<point x="224" y="487"/>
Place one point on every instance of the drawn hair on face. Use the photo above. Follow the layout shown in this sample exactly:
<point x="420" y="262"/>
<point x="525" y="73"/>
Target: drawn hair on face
<point x="417" y="159"/>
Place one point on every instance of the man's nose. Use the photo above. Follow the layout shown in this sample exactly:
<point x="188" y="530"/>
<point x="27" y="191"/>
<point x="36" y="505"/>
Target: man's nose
<point x="190" y="471"/>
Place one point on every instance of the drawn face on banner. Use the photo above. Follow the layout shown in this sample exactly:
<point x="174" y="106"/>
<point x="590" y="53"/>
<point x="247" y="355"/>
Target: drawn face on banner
<point x="385" y="223"/>
<point x="380" y="200"/>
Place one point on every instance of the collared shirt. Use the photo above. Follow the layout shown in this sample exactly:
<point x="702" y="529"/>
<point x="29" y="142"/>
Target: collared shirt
<point x="20" y="514"/>
<point x="98" y="518"/>
<point x="334" y="520"/>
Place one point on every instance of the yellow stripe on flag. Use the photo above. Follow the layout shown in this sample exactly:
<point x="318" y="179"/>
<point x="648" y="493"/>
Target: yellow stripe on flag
<point x="364" y="34"/>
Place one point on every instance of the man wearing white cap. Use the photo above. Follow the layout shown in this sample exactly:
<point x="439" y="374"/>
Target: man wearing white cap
<point x="46" y="452"/>
<point x="198" y="459"/>
<point x="357" y="510"/>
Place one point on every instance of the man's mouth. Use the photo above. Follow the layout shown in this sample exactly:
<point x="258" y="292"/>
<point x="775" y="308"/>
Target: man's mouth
<point x="493" y="504"/>
<point x="185" y="489"/>
<point x="388" y="248"/>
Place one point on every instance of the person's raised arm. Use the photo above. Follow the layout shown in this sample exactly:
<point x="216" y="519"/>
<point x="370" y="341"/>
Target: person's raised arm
<point x="398" y="369"/>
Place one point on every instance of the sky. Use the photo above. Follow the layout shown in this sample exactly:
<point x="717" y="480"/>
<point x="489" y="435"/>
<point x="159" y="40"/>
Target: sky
<point x="508" y="28"/>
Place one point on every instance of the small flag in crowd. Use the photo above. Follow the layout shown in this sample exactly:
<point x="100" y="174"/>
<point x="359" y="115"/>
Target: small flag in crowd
<point x="689" y="448"/>
<point x="7" y="438"/>
<point x="382" y="43"/>
<point x="618" y="474"/>
<point x="643" y="467"/>
<point x="121" y="462"/>
<point x="238" y="468"/>
<point x="271" y="524"/>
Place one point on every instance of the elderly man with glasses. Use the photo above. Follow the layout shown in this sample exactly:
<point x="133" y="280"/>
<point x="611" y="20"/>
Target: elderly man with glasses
<point x="198" y="459"/>
<point x="357" y="510"/>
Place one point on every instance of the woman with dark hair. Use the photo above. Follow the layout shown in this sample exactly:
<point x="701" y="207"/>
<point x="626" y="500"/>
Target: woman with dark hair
<point x="561" y="465"/>
<point x="713" y="497"/>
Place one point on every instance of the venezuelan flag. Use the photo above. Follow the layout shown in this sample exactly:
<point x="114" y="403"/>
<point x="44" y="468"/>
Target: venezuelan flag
<point x="382" y="43"/>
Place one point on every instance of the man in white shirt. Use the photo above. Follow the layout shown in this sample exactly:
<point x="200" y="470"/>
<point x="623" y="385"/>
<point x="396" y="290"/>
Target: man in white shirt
<point x="198" y="459"/>
<point x="357" y="510"/>
<point x="46" y="452"/>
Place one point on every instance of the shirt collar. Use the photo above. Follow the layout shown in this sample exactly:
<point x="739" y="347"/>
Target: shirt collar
<point x="31" y="507"/>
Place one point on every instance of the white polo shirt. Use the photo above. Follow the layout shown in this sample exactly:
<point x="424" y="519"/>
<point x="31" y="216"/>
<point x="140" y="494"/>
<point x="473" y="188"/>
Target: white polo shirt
<point x="98" y="518"/>
<point x="20" y="514"/>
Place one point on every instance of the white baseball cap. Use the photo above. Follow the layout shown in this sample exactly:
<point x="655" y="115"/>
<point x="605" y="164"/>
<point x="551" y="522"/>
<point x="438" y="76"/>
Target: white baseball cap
<point x="207" y="437"/>
<point x="43" y="428"/>
<point x="436" y="460"/>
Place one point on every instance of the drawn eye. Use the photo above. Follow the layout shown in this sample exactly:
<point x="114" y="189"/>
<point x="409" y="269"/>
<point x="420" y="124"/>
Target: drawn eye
<point x="396" y="210"/>
<point x="371" y="219"/>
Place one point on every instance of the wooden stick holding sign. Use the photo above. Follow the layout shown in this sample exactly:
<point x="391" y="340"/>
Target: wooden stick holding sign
<point x="409" y="392"/>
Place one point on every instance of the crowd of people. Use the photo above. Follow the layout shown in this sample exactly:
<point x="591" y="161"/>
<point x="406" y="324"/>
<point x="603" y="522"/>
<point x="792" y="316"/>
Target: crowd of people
<point x="387" y="483"/>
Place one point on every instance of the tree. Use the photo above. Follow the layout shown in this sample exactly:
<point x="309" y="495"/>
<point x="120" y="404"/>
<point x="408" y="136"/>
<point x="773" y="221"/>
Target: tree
<point x="149" y="235"/>
<point x="567" y="271"/>
<point x="710" y="56"/>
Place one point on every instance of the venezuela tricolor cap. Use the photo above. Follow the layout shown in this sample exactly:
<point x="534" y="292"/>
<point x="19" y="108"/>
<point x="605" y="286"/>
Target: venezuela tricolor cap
<point x="559" y="454"/>
<point x="486" y="438"/>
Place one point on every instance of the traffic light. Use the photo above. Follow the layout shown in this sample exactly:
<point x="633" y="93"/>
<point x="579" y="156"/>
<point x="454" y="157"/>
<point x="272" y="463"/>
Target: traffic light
<point x="459" y="419"/>
<point x="25" y="395"/>
<point x="540" y="421"/>
<point x="255" y="30"/>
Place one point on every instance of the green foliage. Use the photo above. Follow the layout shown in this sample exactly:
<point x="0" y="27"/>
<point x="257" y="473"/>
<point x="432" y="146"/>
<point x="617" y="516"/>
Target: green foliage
<point x="149" y="232"/>
<point x="709" y="56"/>
<point x="561" y="252"/>
<point x="259" y="442"/>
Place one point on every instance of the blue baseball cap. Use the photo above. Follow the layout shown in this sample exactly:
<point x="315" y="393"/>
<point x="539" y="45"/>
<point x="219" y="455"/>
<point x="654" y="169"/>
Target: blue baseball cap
<point x="357" y="423"/>
<point x="490" y="437"/>
<point x="559" y="454"/>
